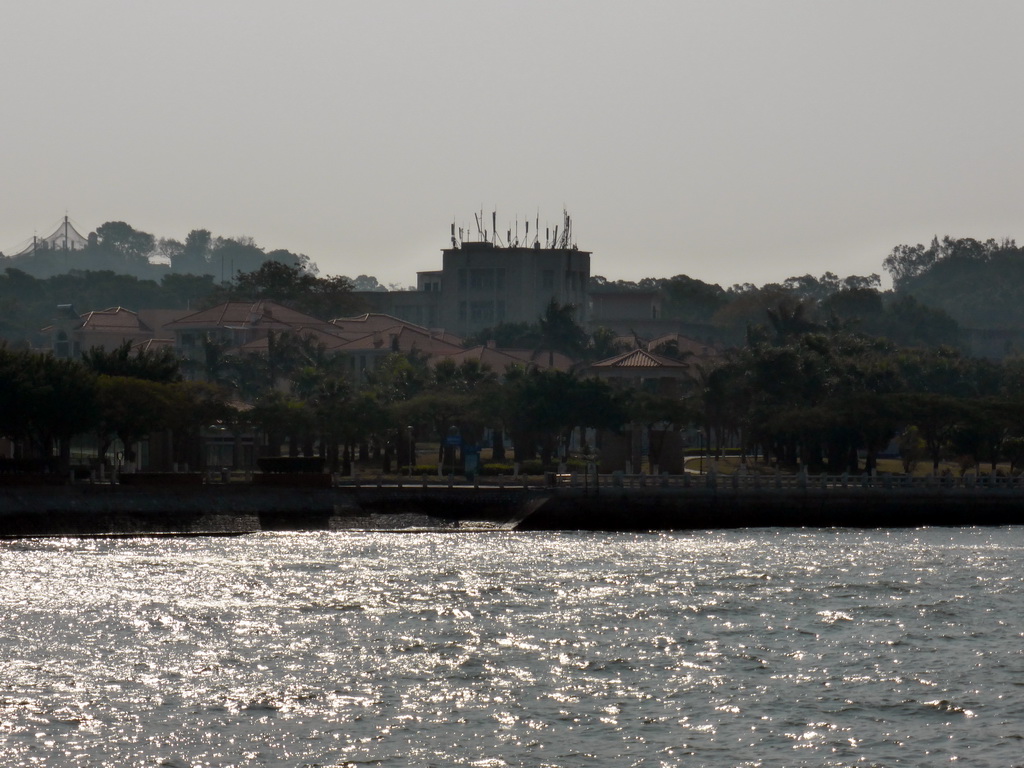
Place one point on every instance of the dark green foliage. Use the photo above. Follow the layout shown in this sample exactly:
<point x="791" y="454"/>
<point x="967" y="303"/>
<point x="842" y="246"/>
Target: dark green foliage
<point x="556" y="330"/>
<point x="27" y="304"/>
<point x="193" y="258"/>
<point x="124" y="241"/>
<point x="685" y="298"/>
<point x="292" y="285"/>
<point x="151" y="365"/>
<point x="115" y="246"/>
<point x="978" y="284"/>
<point x="540" y="408"/>
<point x="495" y="470"/>
<point x="44" y="402"/>
<point x="692" y="300"/>
<point x="507" y="336"/>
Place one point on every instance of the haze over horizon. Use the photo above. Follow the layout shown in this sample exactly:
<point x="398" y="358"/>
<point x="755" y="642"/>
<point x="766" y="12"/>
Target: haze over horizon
<point x="733" y="142"/>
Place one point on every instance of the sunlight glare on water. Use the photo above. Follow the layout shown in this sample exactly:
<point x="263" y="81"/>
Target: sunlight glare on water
<point x="738" y="648"/>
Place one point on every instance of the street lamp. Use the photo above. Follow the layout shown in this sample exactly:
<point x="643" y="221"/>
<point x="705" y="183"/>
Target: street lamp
<point x="412" y="451"/>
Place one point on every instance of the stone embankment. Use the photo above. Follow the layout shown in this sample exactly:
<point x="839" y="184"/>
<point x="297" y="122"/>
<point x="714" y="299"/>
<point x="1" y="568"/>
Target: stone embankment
<point x="236" y="508"/>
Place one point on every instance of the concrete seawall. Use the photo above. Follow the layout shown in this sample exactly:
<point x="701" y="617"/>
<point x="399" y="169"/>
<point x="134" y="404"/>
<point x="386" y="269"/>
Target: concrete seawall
<point x="229" y="509"/>
<point x="701" y="508"/>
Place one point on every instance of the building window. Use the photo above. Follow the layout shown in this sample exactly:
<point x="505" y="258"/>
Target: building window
<point x="462" y="279"/>
<point x="462" y="310"/>
<point x="547" y="279"/>
<point x="499" y="313"/>
<point x="481" y="311"/>
<point x="481" y="279"/>
<point x="499" y="279"/>
<point x="409" y="312"/>
<point x="62" y="348"/>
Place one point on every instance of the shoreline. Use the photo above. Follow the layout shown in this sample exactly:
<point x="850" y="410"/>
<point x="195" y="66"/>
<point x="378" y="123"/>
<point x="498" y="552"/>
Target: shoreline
<point x="111" y="510"/>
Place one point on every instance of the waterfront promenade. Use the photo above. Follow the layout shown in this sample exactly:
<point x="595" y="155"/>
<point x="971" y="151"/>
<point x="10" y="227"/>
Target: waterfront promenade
<point x="563" y="502"/>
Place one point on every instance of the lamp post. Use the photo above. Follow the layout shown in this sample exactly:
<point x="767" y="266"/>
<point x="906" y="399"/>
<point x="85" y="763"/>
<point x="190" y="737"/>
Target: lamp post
<point x="412" y="451"/>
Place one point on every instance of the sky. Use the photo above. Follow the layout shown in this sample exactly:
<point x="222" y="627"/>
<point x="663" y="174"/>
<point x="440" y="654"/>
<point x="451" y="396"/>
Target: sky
<point x="735" y="142"/>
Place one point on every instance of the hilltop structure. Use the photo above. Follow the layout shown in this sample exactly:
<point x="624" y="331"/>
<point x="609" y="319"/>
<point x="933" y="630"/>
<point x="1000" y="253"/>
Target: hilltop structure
<point x="491" y="280"/>
<point x="64" y="238"/>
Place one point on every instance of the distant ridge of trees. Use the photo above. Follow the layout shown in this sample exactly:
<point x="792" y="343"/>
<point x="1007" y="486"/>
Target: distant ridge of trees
<point x="979" y="284"/>
<point x="938" y="289"/>
<point x="118" y="247"/>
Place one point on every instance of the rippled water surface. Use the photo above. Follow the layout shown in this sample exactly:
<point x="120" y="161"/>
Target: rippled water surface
<point x="743" y="648"/>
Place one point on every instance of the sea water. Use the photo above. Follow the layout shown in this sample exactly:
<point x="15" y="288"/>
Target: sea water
<point x="732" y="648"/>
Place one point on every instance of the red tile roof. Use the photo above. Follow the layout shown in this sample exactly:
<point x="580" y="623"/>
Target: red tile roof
<point x="639" y="358"/>
<point x="404" y="337"/>
<point x="245" y="314"/>
<point x="374" y="322"/>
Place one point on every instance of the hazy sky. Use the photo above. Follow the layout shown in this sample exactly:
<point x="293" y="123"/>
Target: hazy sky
<point x="731" y="141"/>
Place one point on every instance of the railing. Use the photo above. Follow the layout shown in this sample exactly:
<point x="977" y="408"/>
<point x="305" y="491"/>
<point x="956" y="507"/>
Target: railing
<point x="720" y="482"/>
<point x="714" y="481"/>
<point x="800" y="481"/>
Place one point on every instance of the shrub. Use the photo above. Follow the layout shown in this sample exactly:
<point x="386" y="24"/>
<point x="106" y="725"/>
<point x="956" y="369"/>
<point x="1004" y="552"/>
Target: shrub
<point x="492" y="470"/>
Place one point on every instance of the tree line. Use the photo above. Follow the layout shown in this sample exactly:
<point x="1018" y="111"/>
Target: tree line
<point x="938" y="289"/>
<point x="28" y="304"/>
<point x="798" y="394"/>
<point x="46" y="402"/>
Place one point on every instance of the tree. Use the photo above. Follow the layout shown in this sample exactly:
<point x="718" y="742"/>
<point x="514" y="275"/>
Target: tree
<point x="193" y="405"/>
<point x="325" y="297"/>
<point x="654" y="410"/>
<point x="194" y="256"/>
<point x="603" y="344"/>
<point x="233" y="256"/>
<point x="131" y="409"/>
<point x="936" y="418"/>
<point x="543" y="407"/>
<point x="150" y="364"/>
<point x="507" y="336"/>
<point x="559" y="330"/>
<point x="908" y="261"/>
<point x="45" y="401"/>
<point x="122" y="239"/>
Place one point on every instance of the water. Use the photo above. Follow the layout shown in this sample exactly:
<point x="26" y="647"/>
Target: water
<point x="740" y="648"/>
